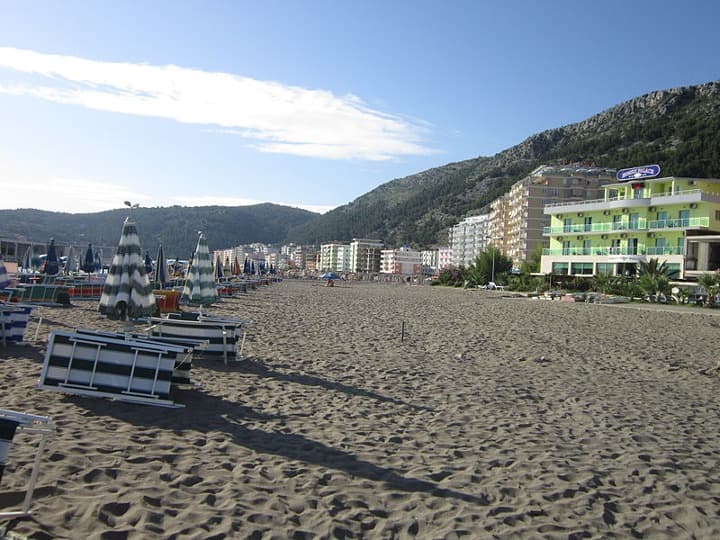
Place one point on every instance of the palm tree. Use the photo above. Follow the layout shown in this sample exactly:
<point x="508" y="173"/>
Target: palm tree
<point x="709" y="282"/>
<point x="654" y="278"/>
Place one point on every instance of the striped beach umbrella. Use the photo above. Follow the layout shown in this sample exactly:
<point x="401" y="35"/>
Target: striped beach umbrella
<point x="200" y="283"/>
<point x="127" y="292"/>
<point x="160" y="278"/>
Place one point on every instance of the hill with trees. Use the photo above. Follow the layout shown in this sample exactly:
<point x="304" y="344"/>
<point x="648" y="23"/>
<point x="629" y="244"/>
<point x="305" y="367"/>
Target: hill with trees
<point x="678" y="129"/>
<point x="175" y="227"/>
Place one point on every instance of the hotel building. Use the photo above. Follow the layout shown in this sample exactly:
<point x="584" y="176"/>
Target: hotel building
<point x="517" y="219"/>
<point x="676" y="220"/>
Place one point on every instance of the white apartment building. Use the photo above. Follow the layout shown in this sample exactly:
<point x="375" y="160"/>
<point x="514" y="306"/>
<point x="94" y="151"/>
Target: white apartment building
<point x="430" y="261"/>
<point x="365" y="255"/>
<point x="334" y="257"/>
<point x="403" y="261"/>
<point x="469" y="238"/>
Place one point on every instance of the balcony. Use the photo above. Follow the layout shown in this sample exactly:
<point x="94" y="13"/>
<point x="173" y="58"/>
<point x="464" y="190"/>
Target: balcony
<point x="654" y="199"/>
<point x="688" y="223"/>
<point x="608" y="251"/>
<point x="609" y="226"/>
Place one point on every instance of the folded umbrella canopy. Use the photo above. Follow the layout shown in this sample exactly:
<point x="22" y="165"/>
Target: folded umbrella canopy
<point x="200" y="283"/>
<point x="160" y="278"/>
<point x="88" y="264"/>
<point x="51" y="260"/>
<point x="127" y="292"/>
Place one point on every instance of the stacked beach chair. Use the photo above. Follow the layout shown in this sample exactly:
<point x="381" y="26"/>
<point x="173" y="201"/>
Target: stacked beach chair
<point x="138" y="367"/>
<point x="225" y="337"/>
<point x="13" y="321"/>
<point x="127" y="369"/>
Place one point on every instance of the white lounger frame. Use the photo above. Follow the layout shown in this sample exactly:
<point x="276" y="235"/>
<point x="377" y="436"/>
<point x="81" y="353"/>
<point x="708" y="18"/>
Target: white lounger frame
<point x="29" y="423"/>
<point x="101" y="364"/>
<point x="223" y="334"/>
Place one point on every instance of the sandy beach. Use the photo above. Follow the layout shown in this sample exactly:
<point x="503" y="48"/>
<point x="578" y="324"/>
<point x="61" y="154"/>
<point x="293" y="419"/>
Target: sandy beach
<point x="494" y="417"/>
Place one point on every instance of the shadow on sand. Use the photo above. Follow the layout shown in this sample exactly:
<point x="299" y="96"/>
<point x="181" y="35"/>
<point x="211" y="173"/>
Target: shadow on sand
<point x="256" y="367"/>
<point x="204" y="412"/>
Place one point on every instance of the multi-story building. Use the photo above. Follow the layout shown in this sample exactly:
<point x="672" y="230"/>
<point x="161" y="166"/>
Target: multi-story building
<point x="517" y="219"/>
<point x="469" y="238"/>
<point x="404" y="261"/>
<point x="365" y="255"/>
<point x="430" y="261"/>
<point x="445" y="258"/>
<point x="334" y="257"/>
<point x="676" y="220"/>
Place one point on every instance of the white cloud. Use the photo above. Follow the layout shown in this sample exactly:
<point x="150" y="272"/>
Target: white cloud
<point x="277" y="118"/>
<point x="77" y="196"/>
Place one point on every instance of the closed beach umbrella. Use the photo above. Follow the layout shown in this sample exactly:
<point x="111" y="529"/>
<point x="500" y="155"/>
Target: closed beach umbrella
<point x="51" y="260"/>
<point x="236" y="270"/>
<point x="200" y="283"/>
<point x="127" y="292"/>
<point x="98" y="261"/>
<point x="4" y="278"/>
<point x="218" y="268"/>
<point x="160" y="278"/>
<point x="27" y="262"/>
<point x="88" y="264"/>
<point x="148" y="263"/>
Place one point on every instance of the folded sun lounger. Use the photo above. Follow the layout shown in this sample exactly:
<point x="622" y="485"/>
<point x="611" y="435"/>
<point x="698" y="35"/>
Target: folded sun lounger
<point x="137" y="371"/>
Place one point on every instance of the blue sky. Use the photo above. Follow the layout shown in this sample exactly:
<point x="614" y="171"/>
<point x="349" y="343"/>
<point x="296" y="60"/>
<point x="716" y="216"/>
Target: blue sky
<point x="309" y="103"/>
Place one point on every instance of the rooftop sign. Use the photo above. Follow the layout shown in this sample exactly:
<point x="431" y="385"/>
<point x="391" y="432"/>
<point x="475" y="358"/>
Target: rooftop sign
<point x="633" y="173"/>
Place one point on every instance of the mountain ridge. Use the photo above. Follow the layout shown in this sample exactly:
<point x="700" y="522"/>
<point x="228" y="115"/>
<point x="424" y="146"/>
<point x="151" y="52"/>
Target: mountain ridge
<point x="679" y="128"/>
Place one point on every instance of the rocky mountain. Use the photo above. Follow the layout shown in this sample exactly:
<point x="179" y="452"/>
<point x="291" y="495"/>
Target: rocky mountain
<point x="677" y="128"/>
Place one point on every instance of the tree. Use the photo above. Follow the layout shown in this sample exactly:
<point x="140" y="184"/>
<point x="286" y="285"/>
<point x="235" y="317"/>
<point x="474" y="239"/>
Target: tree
<point x="490" y="263"/>
<point x="709" y="282"/>
<point x="654" y="279"/>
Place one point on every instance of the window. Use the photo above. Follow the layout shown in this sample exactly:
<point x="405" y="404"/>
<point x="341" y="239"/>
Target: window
<point x="566" y="248"/>
<point x="560" y="268"/>
<point x="567" y="225"/>
<point x="583" y="268"/>
<point x="606" y="269"/>
<point x="587" y="247"/>
<point x="588" y="224"/>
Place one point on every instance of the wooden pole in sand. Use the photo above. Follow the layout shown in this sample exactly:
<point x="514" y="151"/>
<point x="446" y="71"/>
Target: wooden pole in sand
<point x="402" y="332"/>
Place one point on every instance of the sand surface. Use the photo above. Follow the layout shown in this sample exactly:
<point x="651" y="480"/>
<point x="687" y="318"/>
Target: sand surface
<point x="494" y="417"/>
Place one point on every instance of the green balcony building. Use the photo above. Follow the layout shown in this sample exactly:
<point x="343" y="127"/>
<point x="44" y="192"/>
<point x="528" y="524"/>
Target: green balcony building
<point x="676" y="220"/>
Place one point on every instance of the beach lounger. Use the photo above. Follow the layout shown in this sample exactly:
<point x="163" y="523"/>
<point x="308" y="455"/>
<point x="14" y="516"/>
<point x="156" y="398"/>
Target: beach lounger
<point x="225" y="336"/>
<point x="10" y="421"/>
<point x="13" y="321"/>
<point x="130" y="370"/>
<point x="181" y="372"/>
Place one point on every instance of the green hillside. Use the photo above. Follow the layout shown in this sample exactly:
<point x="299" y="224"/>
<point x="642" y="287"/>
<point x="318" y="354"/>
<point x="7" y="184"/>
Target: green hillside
<point x="678" y="129"/>
<point x="175" y="227"/>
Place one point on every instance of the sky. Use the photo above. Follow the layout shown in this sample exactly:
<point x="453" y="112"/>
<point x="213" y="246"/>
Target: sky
<point x="309" y="103"/>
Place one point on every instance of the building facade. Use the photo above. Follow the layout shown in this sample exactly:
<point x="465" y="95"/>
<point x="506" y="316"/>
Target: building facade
<point x="676" y="220"/>
<point x="403" y="261"/>
<point x="334" y="257"/>
<point x="365" y="255"/>
<point x="469" y="238"/>
<point x="517" y="219"/>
